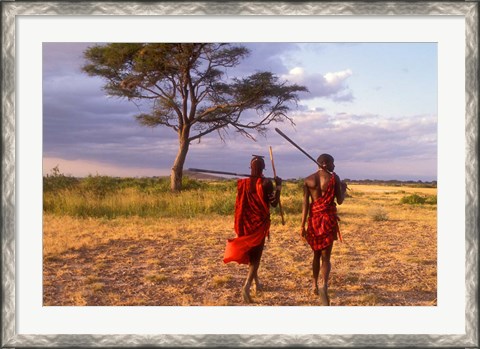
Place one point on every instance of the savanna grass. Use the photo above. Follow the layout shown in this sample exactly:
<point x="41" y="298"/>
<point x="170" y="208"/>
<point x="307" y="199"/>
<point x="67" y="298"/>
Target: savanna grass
<point x="108" y="197"/>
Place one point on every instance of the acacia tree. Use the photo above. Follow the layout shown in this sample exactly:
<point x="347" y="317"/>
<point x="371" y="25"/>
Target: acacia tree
<point x="190" y="91"/>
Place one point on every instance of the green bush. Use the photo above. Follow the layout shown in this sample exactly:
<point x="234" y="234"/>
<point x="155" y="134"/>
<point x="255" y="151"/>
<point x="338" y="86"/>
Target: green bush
<point x="192" y="184"/>
<point x="413" y="199"/>
<point x="56" y="181"/>
<point x="99" y="186"/>
<point x="416" y="199"/>
<point x="431" y="200"/>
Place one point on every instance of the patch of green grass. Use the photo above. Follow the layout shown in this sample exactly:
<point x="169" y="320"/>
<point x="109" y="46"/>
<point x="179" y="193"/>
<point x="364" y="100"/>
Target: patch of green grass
<point x="416" y="199"/>
<point x="431" y="200"/>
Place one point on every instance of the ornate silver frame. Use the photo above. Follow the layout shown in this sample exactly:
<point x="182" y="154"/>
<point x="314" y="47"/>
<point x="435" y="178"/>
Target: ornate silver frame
<point x="11" y="9"/>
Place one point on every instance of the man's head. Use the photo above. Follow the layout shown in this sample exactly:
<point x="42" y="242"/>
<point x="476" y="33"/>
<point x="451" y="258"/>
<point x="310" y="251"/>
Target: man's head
<point x="326" y="161"/>
<point x="257" y="165"/>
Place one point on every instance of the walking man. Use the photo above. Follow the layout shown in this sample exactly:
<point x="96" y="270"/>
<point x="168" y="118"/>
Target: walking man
<point x="255" y="195"/>
<point x="320" y="190"/>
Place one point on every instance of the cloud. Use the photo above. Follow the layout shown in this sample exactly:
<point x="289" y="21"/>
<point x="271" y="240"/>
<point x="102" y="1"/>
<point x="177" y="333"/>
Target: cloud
<point x="265" y="57"/>
<point x="336" y="79"/>
<point x="330" y="85"/>
<point x="84" y="132"/>
<point x="364" y="145"/>
<point x="371" y="139"/>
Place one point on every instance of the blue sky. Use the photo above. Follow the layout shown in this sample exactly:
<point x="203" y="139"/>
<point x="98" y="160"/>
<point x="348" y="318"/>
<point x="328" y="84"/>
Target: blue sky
<point x="373" y="106"/>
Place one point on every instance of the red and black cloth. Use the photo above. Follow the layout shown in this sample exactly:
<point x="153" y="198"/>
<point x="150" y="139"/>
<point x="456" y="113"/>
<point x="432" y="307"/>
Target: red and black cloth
<point x="323" y="220"/>
<point x="252" y="221"/>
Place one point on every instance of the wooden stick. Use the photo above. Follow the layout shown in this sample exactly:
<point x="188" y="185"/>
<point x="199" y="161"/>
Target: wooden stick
<point x="275" y="175"/>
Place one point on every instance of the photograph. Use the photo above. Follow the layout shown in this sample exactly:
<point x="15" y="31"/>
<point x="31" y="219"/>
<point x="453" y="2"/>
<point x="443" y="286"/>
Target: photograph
<point x="126" y="221"/>
<point x="186" y="174"/>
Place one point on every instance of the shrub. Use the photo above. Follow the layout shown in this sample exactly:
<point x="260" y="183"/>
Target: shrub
<point x="431" y="200"/>
<point x="413" y="199"/>
<point x="190" y="184"/>
<point x="378" y="214"/>
<point x="416" y="199"/>
<point x="56" y="181"/>
<point x="99" y="186"/>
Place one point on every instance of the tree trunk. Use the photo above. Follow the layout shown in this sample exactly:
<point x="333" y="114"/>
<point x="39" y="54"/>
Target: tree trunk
<point x="177" y="169"/>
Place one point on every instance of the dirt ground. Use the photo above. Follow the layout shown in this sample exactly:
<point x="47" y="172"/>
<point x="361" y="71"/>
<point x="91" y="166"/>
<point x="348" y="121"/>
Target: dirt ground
<point x="178" y="262"/>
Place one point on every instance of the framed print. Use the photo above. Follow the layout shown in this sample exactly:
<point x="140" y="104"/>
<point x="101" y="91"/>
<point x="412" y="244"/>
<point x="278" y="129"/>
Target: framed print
<point x="416" y="62"/>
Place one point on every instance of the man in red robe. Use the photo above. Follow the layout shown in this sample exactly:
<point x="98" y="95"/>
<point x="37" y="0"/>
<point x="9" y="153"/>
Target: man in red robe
<point x="320" y="191"/>
<point x="255" y="195"/>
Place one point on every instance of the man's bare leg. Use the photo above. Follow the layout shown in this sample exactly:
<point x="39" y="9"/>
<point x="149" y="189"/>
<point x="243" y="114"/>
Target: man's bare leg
<point x="316" y="270"/>
<point x="248" y="283"/>
<point x="258" y="284"/>
<point x="255" y="254"/>
<point x="325" y="273"/>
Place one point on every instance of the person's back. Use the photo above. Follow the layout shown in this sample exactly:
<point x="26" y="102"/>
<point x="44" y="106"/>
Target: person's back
<point x="320" y="191"/>
<point x="255" y="195"/>
<point x="317" y="183"/>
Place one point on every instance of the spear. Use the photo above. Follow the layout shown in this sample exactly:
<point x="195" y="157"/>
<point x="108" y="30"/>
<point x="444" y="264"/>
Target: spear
<point x="224" y="173"/>
<point x="295" y="145"/>
<point x="275" y="175"/>
<point x="308" y="155"/>
<point x="298" y="147"/>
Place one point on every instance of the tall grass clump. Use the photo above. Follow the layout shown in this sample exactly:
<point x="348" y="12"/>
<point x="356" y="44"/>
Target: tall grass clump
<point x="378" y="214"/>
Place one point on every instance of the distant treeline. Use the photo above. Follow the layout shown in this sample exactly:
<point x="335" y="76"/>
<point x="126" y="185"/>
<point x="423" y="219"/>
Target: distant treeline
<point x="57" y="180"/>
<point x="393" y="183"/>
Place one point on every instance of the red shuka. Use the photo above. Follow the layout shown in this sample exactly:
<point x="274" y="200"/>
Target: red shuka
<point x="252" y="221"/>
<point x="323" y="220"/>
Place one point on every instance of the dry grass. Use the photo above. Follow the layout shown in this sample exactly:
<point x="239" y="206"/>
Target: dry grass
<point x="178" y="261"/>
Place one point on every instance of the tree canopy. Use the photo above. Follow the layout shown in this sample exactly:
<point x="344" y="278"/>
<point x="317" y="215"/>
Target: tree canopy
<point x="190" y="89"/>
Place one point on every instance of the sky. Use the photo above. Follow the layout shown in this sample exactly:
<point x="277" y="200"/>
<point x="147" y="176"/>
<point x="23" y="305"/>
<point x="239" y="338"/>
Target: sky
<point x="372" y="106"/>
